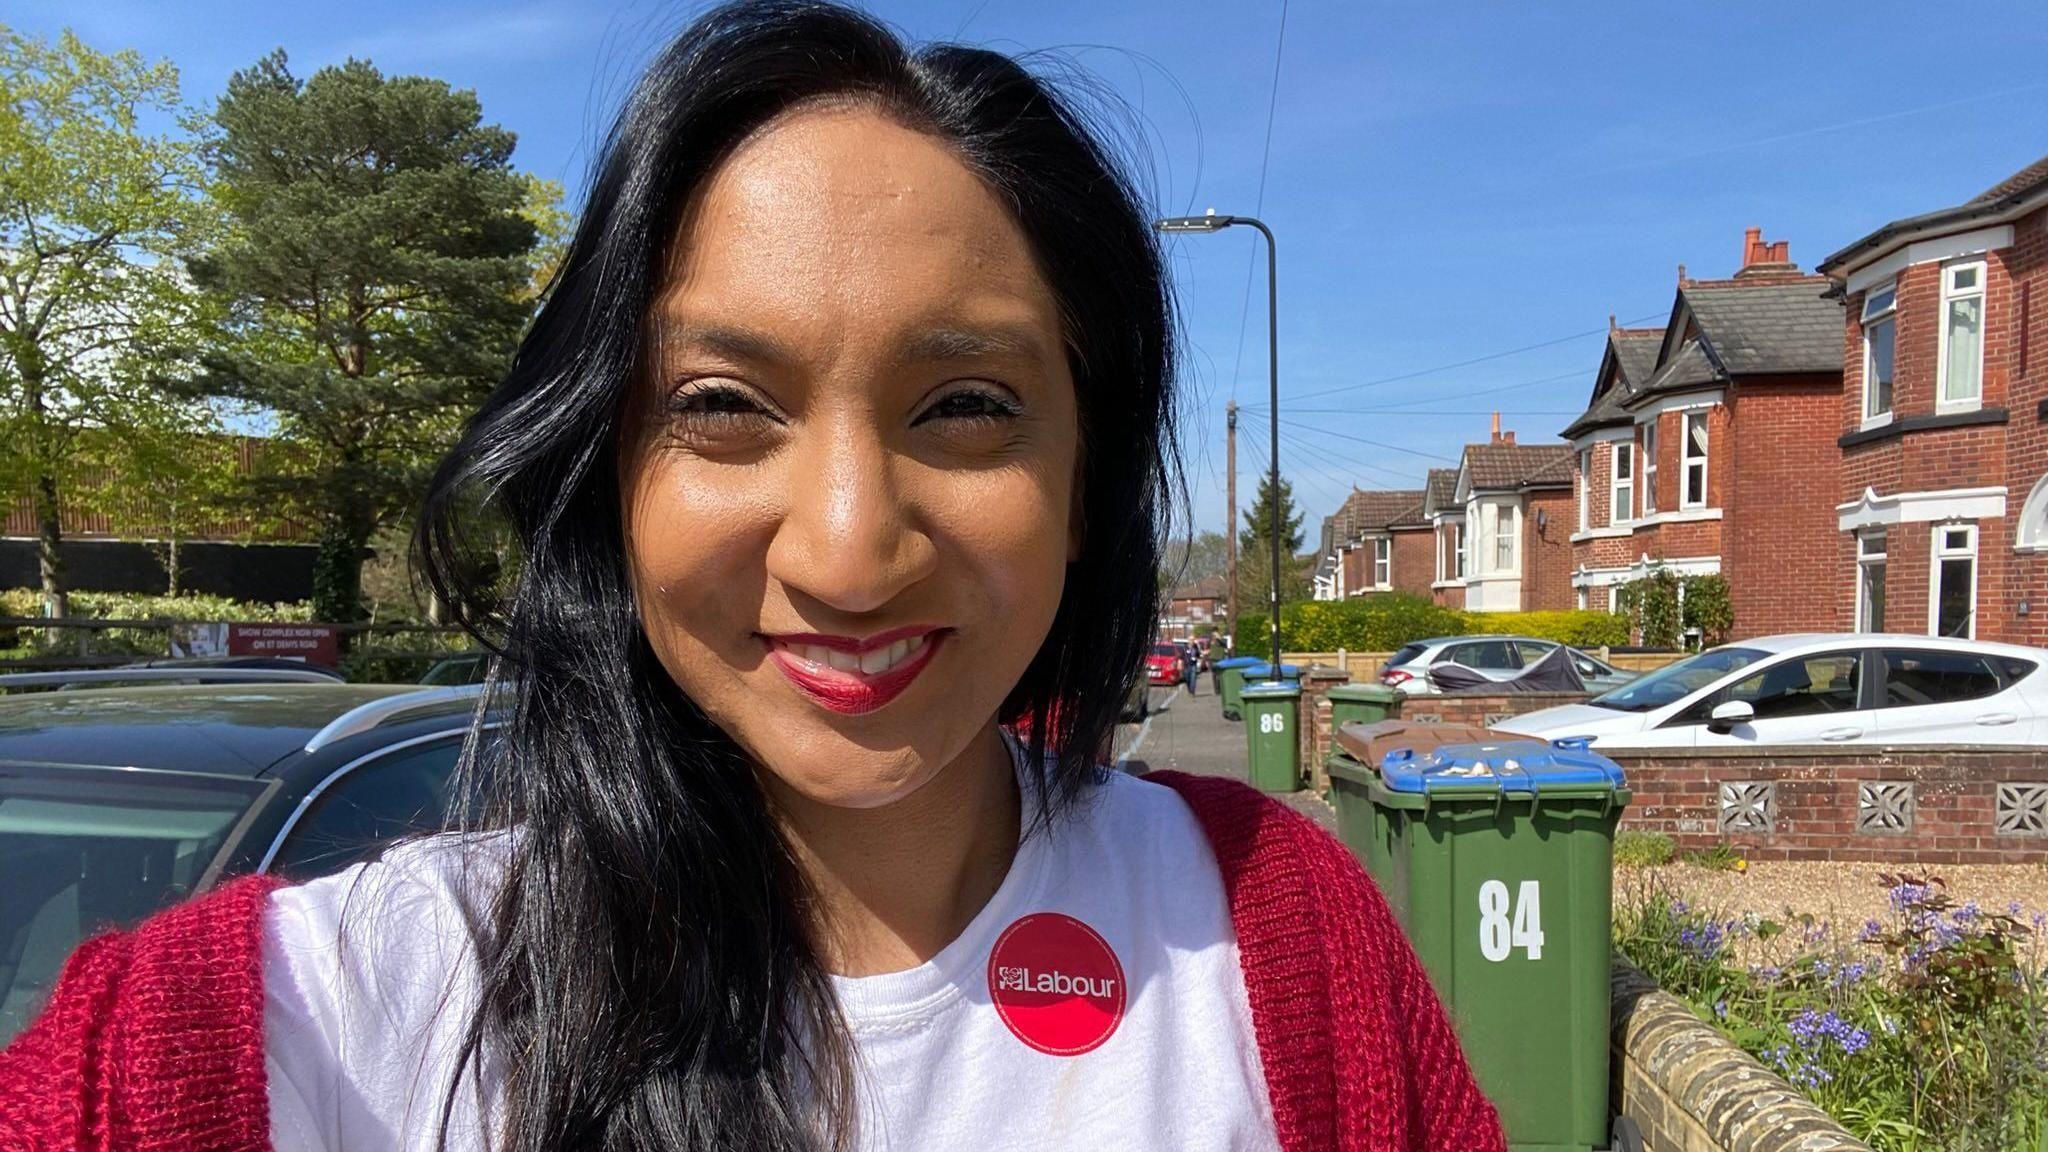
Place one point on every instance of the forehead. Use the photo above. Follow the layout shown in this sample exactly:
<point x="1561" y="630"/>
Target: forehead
<point x="836" y="217"/>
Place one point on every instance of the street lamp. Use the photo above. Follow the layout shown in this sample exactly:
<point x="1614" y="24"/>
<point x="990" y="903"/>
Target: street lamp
<point x="1211" y="222"/>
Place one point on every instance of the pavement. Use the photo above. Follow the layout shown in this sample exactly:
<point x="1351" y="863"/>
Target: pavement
<point x="1188" y="733"/>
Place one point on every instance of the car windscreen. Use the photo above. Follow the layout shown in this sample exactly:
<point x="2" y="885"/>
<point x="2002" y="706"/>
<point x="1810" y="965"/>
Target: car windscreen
<point x="1407" y="653"/>
<point x="1166" y="650"/>
<point x="88" y="849"/>
<point x="1674" y="682"/>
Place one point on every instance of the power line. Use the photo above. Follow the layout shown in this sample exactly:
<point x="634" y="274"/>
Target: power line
<point x="1338" y="460"/>
<point x="1474" y="360"/>
<point x="1370" y="443"/>
<point x="1259" y="202"/>
<point x="1402" y="405"/>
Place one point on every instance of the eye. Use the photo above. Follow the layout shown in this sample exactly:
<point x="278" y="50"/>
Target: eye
<point x="714" y="404"/>
<point x="974" y="403"/>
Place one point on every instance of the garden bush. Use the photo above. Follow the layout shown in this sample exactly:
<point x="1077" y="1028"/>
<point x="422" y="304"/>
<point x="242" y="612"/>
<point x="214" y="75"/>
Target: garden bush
<point x="1384" y="623"/>
<point x="20" y="642"/>
<point x="1925" y="1030"/>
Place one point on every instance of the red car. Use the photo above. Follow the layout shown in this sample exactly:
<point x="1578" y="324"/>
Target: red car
<point x="1165" y="664"/>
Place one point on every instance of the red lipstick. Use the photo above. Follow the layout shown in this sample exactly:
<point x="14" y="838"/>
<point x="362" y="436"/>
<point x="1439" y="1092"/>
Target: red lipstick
<point x="855" y="675"/>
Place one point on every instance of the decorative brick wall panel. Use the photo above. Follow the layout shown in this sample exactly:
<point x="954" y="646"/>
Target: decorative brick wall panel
<point x="1688" y="1088"/>
<point x="1920" y="805"/>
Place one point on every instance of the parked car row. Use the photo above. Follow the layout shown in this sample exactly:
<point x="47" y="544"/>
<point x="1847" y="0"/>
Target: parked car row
<point x="1836" y="688"/>
<point x="1494" y="657"/>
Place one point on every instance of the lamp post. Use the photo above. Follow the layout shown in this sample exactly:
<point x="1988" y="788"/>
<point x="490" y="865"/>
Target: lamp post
<point x="1211" y="222"/>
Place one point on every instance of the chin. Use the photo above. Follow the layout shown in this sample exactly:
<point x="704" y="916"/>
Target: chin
<point x="858" y="787"/>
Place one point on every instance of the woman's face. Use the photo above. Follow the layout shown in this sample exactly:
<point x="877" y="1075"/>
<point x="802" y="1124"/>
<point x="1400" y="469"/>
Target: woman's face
<point x="849" y="471"/>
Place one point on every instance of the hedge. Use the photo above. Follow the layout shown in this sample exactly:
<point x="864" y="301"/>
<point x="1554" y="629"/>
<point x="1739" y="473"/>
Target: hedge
<point x="1384" y="623"/>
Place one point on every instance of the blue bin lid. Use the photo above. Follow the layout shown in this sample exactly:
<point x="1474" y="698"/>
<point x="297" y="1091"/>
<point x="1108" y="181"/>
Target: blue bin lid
<point x="1238" y="662"/>
<point x="1263" y="670"/>
<point x="1272" y="689"/>
<point x="1512" y="766"/>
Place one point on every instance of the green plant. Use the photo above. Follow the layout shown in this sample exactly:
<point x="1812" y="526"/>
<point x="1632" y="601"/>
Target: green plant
<point x="1922" y="1031"/>
<point x="1651" y="605"/>
<point x="1384" y="623"/>
<point x="1720" y="858"/>
<point x="1638" y="849"/>
<point x="1705" y="608"/>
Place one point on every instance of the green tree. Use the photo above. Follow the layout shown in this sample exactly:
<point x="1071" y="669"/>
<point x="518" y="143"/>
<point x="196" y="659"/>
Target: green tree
<point x="376" y="272"/>
<point x="1255" y="552"/>
<point x="94" y="211"/>
<point x="1188" y="560"/>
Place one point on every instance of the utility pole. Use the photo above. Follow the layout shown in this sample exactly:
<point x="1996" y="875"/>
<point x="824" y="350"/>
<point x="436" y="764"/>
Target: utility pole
<point x="1230" y="529"/>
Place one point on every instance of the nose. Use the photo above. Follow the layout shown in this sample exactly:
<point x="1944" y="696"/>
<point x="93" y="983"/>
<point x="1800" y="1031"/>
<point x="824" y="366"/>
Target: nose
<point x="849" y="538"/>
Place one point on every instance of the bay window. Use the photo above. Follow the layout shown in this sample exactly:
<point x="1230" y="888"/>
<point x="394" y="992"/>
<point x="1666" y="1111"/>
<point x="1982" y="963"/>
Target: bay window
<point x="1693" y="486"/>
<point x="1622" y="494"/>
<point x="1961" y="360"/>
<point x="1880" y="342"/>
<point x="1650" y="466"/>
<point x="1503" y="538"/>
<point x="1382" y="562"/>
<point x="1870" y="565"/>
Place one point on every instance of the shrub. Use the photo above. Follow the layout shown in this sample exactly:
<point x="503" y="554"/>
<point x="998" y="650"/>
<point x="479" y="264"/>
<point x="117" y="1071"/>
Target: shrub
<point x="1637" y="849"/>
<point x="1384" y="623"/>
<point x="1926" y="1030"/>
<point x="1581" y="628"/>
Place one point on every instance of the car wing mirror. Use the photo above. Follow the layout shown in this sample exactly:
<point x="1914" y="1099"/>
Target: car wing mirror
<point x="1729" y="715"/>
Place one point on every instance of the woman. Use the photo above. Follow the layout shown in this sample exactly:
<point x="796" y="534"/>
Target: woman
<point x="840" y="442"/>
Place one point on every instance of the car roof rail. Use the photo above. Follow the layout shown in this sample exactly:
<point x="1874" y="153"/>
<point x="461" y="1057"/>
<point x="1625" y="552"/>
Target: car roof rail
<point x="365" y="717"/>
<point x="85" y="677"/>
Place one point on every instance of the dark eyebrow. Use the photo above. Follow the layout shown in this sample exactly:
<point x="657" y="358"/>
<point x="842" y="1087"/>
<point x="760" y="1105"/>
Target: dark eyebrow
<point x="971" y="343"/>
<point x="737" y="344"/>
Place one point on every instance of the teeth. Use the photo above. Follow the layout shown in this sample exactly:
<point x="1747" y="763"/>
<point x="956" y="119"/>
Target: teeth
<point x="867" y="663"/>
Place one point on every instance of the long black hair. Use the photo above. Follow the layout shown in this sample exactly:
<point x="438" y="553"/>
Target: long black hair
<point x="648" y="973"/>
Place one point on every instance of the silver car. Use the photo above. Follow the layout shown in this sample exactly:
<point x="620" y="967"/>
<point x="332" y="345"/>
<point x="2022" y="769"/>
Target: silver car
<point x="1494" y="657"/>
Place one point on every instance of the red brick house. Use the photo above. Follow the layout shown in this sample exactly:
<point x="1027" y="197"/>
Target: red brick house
<point x="1513" y="527"/>
<point x="1943" y="516"/>
<point x="1195" y="608"/>
<point x="1708" y="446"/>
<point x="1377" y="542"/>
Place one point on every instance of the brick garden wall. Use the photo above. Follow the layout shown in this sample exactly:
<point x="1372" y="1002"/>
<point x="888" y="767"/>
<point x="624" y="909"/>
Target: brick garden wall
<point x="1482" y="710"/>
<point x="1926" y="805"/>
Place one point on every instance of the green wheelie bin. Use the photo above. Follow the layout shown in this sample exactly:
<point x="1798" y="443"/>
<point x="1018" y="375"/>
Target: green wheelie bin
<point x="1272" y="711"/>
<point x="1362" y="704"/>
<point x="1232" y="682"/>
<point x="1498" y="860"/>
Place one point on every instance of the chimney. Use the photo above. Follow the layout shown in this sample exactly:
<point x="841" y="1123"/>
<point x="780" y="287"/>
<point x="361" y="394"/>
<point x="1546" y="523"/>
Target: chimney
<point x="1765" y="255"/>
<point x="1496" y="428"/>
<point x="1681" y="275"/>
<point x="1611" y="325"/>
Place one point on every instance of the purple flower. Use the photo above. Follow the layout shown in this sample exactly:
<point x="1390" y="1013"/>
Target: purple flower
<point x="1907" y="895"/>
<point x="1871" y="931"/>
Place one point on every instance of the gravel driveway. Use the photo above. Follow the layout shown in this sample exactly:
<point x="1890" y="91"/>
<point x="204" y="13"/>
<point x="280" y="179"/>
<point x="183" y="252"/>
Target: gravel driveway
<point x="1846" y="893"/>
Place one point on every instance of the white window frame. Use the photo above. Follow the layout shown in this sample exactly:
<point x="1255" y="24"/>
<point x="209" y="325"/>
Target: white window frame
<point x="1880" y="308"/>
<point x="1621" y="492"/>
<point x="1941" y="550"/>
<point x="1649" y="468"/>
<point x="1949" y="295"/>
<point x="1504" y="538"/>
<point x="1382" y="562"/>
<point x="1458" y="552"/>
<point x="1687" y="496"/>
<point x="1867" y="558"/>
<point x="1585" y="489"/>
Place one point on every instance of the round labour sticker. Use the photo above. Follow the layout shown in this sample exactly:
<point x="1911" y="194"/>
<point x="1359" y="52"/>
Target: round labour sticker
<point x="1056" y="984"/>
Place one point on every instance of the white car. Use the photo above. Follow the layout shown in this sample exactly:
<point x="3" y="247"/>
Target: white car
<point x="1841" y="688"/>
<point x="1494" y="657"/>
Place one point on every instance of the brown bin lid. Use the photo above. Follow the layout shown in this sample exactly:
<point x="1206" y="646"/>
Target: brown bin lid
<point x="1369" y="743"/>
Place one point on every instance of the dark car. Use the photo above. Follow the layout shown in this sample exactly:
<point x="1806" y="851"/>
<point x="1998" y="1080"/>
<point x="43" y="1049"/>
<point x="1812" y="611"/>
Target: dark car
<point x="116" y="802"/>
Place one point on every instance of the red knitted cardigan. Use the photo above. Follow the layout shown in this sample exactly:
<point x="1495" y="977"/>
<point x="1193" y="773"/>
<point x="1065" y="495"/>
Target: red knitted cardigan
<point x="154" y="1037"/>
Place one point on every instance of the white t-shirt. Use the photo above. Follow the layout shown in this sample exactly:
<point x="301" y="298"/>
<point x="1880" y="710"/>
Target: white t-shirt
<point x="1095" y="1002"/>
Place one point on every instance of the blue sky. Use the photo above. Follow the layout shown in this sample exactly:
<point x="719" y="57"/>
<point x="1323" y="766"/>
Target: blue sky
<point x="1448" y="180"/>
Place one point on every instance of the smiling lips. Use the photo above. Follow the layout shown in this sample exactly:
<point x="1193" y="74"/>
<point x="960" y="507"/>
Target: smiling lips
<point x="852" y="675"/>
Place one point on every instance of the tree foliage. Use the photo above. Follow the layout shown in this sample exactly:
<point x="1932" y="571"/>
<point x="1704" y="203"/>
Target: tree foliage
<point x="375" y="273"/>
<point x="1255" y="552"/>
<point x="95" y="210"/>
